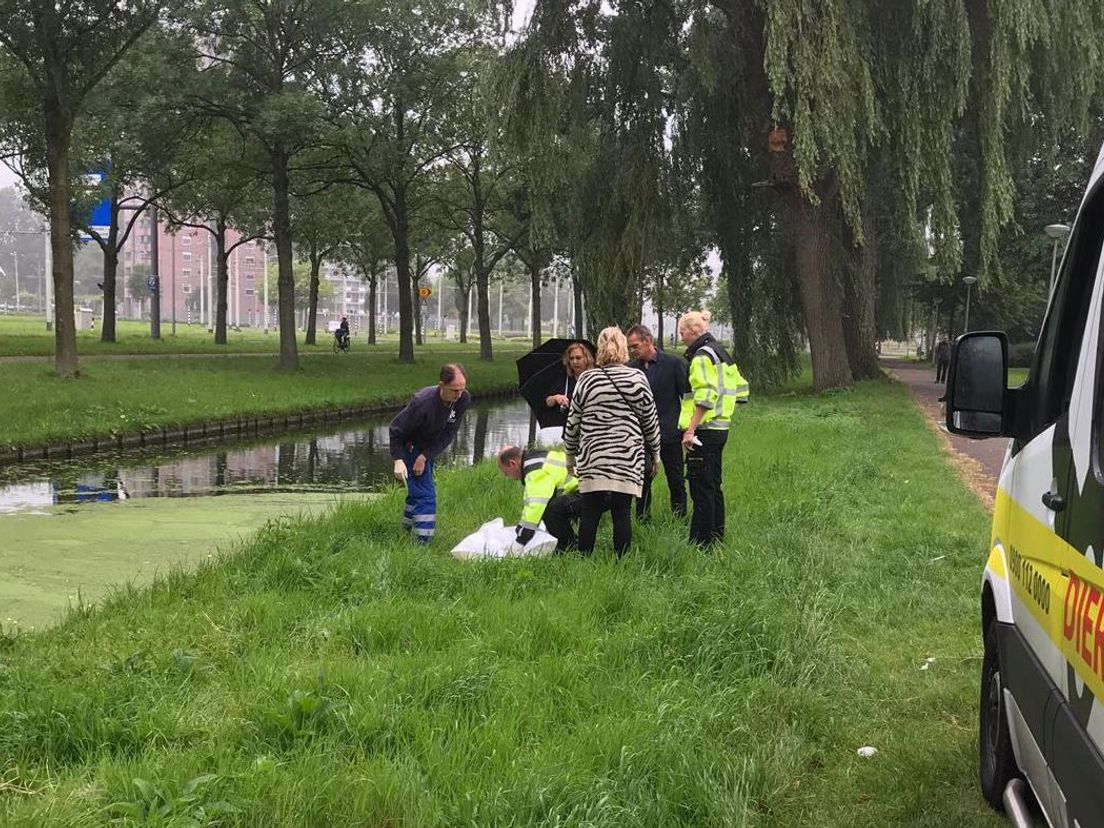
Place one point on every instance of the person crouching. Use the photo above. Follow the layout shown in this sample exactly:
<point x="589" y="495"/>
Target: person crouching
<point x="551" y="493"/>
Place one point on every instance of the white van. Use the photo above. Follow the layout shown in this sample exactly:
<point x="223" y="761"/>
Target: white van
<point x="1042" y="592"/>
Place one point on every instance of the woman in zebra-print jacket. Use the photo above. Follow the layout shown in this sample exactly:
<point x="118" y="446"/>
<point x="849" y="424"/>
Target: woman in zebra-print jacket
<point x="611" y="424"/>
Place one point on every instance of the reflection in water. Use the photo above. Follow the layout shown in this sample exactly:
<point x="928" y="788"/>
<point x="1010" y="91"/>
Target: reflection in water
<point x="356" y="458"/>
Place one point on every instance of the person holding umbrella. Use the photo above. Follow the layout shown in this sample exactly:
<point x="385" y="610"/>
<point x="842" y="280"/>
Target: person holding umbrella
<point x="547" y="376"/>
<point x="576" y="359"/>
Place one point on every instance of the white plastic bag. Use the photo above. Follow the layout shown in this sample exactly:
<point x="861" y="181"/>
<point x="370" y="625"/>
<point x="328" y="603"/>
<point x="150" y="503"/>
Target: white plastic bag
<point x="494" y="540"/>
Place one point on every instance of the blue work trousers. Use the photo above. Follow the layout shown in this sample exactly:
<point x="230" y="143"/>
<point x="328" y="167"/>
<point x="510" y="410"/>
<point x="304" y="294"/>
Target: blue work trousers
<point x="420" y="513"/>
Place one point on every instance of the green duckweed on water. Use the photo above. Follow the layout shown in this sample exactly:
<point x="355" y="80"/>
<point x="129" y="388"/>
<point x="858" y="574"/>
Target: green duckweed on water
<point x="63" y="555"/>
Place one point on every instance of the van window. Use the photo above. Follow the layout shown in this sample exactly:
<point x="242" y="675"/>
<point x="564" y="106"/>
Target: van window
<point x="1055" y="364"/>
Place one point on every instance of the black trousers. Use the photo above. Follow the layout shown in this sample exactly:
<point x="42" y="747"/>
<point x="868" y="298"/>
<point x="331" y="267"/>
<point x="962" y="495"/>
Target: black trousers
<point x="670" y="454"/>
<point x="558" y="517"/>
<point x="703" y="473"/>
<point x="594" y="503"/>
<point x="941" y="367"/>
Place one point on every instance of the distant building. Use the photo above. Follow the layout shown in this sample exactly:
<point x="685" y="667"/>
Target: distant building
<point x="350" y="297"/>
<point x="186" y="269"/>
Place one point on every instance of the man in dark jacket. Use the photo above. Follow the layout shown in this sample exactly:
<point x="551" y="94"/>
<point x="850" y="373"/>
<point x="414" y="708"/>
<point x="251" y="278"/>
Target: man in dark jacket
<point x="419" y="433"/>
<point x="668" y="377"/>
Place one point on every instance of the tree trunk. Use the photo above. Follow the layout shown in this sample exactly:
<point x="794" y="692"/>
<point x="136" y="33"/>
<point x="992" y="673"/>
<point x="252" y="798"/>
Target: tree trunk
<point x="416" y="302"/>
<point x="482" y="272"/>
<point x="577" y="296"/>
<point x="535" y="294"/>
<point x="659" y="312"/>
<point x="401" y="232"/>
<point x="222" y="279"/>
<point x="483" y="312"/>
<point x="858" y="313"/>
<point x="312" y="310"/>
<point x="819" y="295"/>
<point x="281" y="232"/>
<point x="59" y="133"/>
<point x="110" y="272"/>
<point x="373" y="301"/>
<point x="463" y="310"/>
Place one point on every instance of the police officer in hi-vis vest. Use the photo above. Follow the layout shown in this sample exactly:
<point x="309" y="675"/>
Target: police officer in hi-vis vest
<point x="551" y="493"/>
<point x="419" y="433"/>
<point x="716" y="386"/>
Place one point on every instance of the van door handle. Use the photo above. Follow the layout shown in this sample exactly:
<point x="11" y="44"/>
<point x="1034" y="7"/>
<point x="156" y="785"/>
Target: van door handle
<point x="1054" y="502"/>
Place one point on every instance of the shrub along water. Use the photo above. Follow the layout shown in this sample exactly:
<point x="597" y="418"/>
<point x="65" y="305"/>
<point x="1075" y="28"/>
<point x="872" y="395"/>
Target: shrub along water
<point x="330" y="673"/>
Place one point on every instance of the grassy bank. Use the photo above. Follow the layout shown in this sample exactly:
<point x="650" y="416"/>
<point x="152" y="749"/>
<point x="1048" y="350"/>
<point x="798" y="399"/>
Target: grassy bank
<point x="124" y="396"/>
<point x="27" y="336"/>
<point x="332" y="674"/>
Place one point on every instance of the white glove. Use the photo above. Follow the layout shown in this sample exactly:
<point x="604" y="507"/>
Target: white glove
<point x="400" y="471"/>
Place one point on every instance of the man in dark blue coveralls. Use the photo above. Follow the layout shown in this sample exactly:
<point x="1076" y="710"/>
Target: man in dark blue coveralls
<point x="419" y="433"/>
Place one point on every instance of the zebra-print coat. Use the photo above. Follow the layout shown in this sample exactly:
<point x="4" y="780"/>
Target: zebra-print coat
<point x="608" y="432"/>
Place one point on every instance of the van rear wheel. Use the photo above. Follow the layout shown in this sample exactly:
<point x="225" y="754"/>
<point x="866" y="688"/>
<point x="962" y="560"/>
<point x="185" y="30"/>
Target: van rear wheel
<point x="997" y="760"/>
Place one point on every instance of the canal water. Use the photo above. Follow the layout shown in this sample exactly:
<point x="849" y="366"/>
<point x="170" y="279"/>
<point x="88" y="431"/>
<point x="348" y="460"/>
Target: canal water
<point x="72" y="530"/>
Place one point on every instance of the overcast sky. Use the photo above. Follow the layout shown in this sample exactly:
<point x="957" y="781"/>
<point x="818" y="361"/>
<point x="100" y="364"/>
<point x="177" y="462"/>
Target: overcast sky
<point x="7" y="177"/>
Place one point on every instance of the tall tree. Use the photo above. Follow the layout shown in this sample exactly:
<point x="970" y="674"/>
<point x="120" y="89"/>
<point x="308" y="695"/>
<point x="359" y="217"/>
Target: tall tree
<point x="368" y="248"/>
<point x="54" y="56"/>
<point x="395" y="123"/>
<point x="324" y="219"/>
<point x="228" y="195"/>
<point x="132" y="131"/>
<point x="479" y="184"/>
<point x="269" y="64"/>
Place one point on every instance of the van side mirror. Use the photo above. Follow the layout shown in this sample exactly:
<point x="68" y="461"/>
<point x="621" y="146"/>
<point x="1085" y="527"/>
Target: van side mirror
<point x="976" y="385"/>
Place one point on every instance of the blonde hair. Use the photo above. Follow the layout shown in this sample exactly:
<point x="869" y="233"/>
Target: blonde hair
<point x="696" y="322"/>
<point x="613" y="349"/>
<point x="586" y="353"/>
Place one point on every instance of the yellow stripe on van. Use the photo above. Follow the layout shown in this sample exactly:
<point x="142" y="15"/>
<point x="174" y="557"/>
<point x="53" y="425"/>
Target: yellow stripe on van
<point x="1059" y="586"/>
<point x="995" y="564"/>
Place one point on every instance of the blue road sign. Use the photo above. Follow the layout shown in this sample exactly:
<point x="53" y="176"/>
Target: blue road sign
<point x="101" y="216"/>
<point x="151" y="283"/>
<point x="100" y="219"/>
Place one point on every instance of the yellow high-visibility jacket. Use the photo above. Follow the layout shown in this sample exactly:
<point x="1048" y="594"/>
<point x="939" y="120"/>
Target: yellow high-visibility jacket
<point x="716" y="384"/>
<point x="545" y="476"/>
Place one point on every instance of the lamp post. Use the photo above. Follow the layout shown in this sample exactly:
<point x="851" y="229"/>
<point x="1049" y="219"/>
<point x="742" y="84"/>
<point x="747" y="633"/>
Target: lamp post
<point x="969" y="282"/>
<point x="265" y="243"/>
<point x="172" y="288"/>
<point x="1058" y="232"/>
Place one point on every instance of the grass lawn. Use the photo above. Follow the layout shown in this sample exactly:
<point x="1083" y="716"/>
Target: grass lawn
<point x="124" y="396"/>
<point x="330" y="673"/>
<point x="27" y="336"/>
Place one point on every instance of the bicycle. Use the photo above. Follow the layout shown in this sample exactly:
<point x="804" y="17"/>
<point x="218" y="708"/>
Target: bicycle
<point x="340" y="344"/>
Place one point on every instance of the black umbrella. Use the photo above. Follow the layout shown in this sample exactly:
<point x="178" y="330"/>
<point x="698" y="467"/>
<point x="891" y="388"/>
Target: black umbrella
<point x="541" y="373"/>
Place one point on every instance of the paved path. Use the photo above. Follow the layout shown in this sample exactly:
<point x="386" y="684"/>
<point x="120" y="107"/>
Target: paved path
<point x="979" y="461"/>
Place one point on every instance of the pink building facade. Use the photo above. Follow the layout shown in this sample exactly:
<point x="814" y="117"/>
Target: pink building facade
<point x="186" y="267"/>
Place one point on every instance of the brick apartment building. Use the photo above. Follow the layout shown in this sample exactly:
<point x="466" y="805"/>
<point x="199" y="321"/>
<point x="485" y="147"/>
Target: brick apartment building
<point x="187" y="266"/>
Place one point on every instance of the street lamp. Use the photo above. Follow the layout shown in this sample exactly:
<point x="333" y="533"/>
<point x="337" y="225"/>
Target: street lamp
<point x="969" y="282"/>
<point x="1058" y="232"/>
